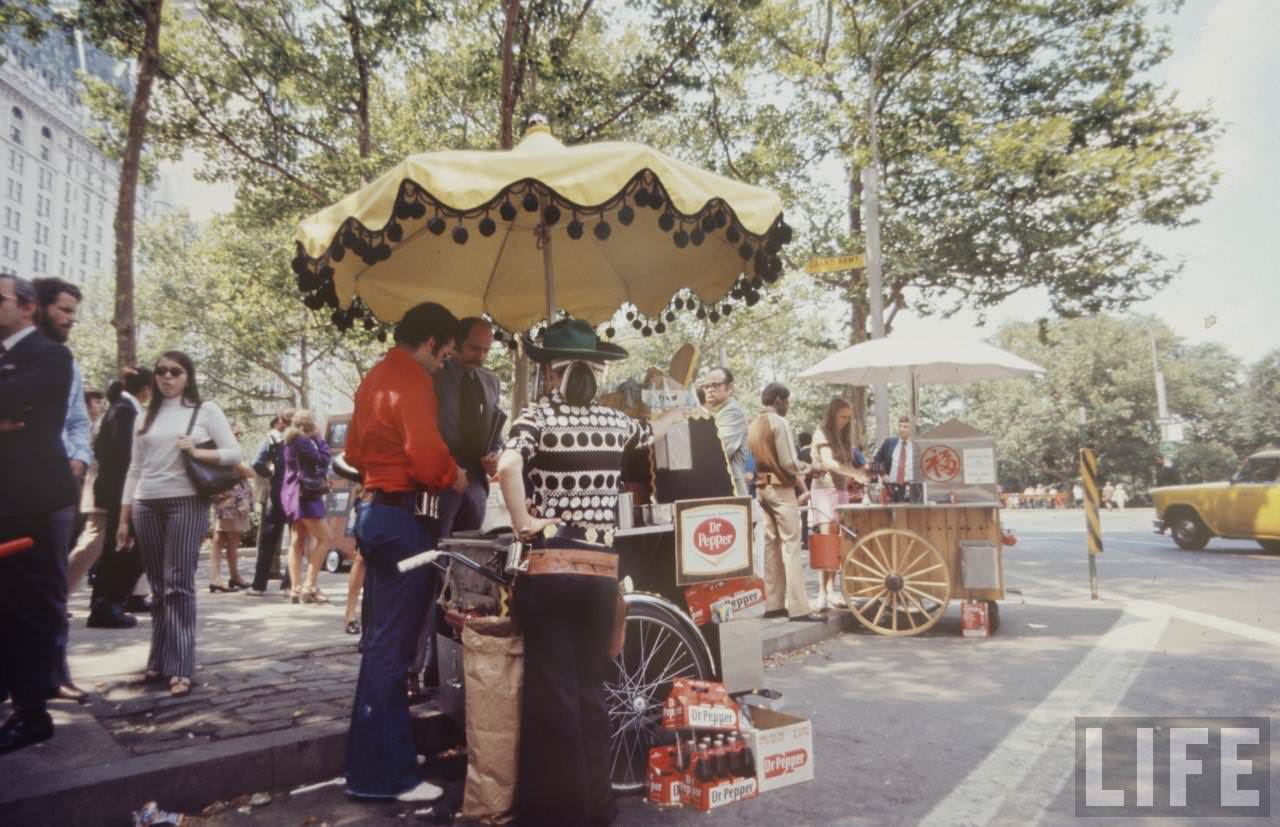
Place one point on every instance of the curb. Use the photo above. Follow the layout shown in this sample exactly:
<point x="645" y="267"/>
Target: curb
<point x="189" y="779"/>
<point x="790" y="636"/>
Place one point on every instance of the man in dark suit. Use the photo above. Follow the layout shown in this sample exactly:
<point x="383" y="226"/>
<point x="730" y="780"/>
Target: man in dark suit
<point x="118" y="568"/>
<point x="270" y="464"/>
<point x="896" y="464"/>
<point x="37" y="483"/>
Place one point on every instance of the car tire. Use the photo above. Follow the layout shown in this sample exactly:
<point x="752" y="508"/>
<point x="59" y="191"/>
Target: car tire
<point x="1272" y="546"/>
<point x="1188" y="532"/>
<point x="333" y="561"/>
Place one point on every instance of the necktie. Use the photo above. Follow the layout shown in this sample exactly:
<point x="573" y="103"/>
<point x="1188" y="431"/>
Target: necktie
<point x="902" y="461"/>
<point x="471" y="417"/>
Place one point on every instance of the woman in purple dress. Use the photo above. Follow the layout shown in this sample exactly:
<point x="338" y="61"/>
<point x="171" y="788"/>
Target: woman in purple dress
<point x="306" y="456"/>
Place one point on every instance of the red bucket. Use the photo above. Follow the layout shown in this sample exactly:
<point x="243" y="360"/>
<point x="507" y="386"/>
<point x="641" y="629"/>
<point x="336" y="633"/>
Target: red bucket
<point x="824" y="551"/>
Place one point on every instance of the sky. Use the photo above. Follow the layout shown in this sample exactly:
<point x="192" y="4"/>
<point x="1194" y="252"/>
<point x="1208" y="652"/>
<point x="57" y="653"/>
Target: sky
<point x="1225" y="57"/>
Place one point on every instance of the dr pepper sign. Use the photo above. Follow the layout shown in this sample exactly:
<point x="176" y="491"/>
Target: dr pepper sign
<point x="713" y="539"/>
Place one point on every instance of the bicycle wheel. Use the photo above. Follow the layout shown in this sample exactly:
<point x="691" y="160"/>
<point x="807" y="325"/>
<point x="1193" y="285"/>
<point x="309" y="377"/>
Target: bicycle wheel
<point x="659" y="648"/>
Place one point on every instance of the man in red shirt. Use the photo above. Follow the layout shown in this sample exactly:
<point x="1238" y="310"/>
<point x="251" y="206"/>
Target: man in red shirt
<point x="393" y="439"/>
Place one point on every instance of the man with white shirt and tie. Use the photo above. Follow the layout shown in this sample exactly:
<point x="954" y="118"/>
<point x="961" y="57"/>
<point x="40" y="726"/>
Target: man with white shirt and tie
<point x="896" y="461"/>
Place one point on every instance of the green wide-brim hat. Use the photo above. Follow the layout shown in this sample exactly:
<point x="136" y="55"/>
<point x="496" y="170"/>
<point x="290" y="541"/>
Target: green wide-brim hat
<point x="572" y="339"/>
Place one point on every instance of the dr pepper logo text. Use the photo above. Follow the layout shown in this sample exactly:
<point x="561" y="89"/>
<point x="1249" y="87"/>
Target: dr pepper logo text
<point x="714" y="536"/>
<point x="785" y="762"/>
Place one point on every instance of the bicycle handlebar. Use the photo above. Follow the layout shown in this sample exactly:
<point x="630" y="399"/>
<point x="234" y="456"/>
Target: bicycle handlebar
<point x="428" y="557"/>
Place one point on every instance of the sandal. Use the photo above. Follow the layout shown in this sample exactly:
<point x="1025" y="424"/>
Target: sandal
<point x="148" y="677"/>
<point x="179" y="686"/>
<point x="295" y="595"/>
<point x="314" y="595"/>
<point x="353" y="627"/>
<point x="238" y="584"/>
<point x="218" y="587"/>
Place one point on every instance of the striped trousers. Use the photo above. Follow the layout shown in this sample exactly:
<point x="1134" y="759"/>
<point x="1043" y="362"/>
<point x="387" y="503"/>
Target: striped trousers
<point x="169" y="533"/>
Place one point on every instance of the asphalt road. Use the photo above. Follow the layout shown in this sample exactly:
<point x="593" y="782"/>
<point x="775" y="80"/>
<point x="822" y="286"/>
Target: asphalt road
<point x="944" y="730"/>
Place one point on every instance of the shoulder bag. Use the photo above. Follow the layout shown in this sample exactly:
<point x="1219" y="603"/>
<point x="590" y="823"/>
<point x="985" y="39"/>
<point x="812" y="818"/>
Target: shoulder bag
<point x="209" y="479"/>
<point x="315" y="483"/>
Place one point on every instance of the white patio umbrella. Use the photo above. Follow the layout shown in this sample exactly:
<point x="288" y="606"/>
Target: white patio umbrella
<point x="919" y="360"/>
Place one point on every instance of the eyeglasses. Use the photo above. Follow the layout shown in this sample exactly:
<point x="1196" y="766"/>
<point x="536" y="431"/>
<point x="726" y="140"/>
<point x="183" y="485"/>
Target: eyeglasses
<point x="706" y="386"/>
<point x="167" y="371"/>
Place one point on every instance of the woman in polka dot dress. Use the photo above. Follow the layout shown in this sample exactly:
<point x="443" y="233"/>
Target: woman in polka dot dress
<point x="559" y="475"/>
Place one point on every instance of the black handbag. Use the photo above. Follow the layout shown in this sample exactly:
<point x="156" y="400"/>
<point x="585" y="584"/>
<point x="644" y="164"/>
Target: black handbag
<point x="207" y="478"/>
<point x="315" y="484"/>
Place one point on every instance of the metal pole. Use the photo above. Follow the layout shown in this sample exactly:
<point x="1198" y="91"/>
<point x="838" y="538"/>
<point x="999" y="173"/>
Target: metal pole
<point x="871" y="192"/>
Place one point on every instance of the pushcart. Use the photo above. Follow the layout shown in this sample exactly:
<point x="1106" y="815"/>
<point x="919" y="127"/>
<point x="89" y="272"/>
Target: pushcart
<point x="902" y="564"/>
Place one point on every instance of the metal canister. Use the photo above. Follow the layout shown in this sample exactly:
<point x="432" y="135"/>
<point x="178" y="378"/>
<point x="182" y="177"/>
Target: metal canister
<point x="626" y="510"/>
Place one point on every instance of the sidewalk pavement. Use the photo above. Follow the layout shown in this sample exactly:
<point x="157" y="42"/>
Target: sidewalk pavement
<point x="269" y="710"/>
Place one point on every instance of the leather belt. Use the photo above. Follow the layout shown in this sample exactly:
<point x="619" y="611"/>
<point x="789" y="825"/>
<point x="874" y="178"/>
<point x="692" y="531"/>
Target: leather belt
<point x="395" y="499"/>
<point x="765" y="478"/>
<point x="573" y="561"/>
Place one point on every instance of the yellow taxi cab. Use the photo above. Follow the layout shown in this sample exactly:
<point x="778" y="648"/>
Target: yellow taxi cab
<point x="1246" y="507"/>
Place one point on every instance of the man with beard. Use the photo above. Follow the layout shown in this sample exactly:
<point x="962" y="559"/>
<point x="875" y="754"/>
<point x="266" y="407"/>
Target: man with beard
<point x="56" y="304"/>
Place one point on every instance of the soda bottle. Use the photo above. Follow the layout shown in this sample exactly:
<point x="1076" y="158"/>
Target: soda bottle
<point x="746" y="761"/>
<point x="733" y="756"/>
<point x="719" y="766"/>
<point x="702" y="767"/>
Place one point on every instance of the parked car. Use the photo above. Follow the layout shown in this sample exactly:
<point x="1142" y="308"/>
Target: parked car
<point x="1246" y="507"/>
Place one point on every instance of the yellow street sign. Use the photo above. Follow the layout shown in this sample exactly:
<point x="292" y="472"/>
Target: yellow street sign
<point x="834" y="264"/>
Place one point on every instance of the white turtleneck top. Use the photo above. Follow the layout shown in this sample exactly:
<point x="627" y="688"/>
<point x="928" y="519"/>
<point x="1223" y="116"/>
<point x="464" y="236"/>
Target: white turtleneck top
<point x="156" y="470"/>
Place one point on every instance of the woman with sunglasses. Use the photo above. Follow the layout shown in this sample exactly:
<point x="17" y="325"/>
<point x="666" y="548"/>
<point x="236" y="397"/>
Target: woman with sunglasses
<point x="168" y="518"/>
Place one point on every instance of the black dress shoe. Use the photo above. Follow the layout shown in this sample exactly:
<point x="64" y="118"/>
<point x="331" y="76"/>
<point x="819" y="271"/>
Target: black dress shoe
<point x="811" y="617"/>
<point x="113" y="617"/>
<point x="69" y="692"/>
<point x="138" y="604"/>
<point x="24" y="730"/>
<point x="776" y="613"/>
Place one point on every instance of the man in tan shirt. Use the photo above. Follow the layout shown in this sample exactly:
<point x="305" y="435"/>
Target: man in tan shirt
<point x="778" y="471"/>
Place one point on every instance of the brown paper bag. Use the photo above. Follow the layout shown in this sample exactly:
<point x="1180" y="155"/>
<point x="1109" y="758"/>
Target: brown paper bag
<point x="493" y="668"/>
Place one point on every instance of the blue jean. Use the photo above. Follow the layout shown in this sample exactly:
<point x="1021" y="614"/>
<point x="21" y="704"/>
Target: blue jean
<point x="382" y="761"/>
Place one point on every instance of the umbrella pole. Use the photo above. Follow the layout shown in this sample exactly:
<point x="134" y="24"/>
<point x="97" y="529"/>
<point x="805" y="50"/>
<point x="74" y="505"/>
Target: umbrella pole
<point x="548" y="271"/>
<point x="915" y="403"/>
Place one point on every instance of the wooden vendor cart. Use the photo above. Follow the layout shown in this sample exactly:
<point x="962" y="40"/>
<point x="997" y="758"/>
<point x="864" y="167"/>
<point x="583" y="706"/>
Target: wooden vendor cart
<point x="909" y="561"/>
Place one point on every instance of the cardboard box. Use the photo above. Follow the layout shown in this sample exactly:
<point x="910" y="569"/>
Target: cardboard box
<point x="707" y="797"/>
<point x="741" y="654"/>
<point x="699" y="705"/>
<point x="783" y="747"/>
<point x="720" y="601"/>
<point x="666" y="782"/>
<point x="975" y="620"/>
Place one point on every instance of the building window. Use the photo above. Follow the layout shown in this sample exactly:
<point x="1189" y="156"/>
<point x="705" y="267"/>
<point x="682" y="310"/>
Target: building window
<point x="84" y="254"/>
<point x="64" y="245"/>
<point x="66" y="218"/>
<point x="102" y="205"/>
<point x="98" y="234"/>
<point x="15" y="134"/>
<point x="17" y="113"/>
<point x="44" y="153"/>
<point x="82" y="276"/>
<point x="15" y="189"/>
<point x="97" y="259"/>
<point x="45" y="132"/>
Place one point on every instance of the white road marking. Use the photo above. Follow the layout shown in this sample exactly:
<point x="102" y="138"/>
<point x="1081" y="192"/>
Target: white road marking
<point x="1042" y="746"/>
<point x="1153" y="609"/>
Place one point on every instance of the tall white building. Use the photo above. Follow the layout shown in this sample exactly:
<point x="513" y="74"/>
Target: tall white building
<point x="57" y="190"/>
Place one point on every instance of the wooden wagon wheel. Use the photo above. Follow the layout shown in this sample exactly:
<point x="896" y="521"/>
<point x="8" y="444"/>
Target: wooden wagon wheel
<point x="896" y="582"/>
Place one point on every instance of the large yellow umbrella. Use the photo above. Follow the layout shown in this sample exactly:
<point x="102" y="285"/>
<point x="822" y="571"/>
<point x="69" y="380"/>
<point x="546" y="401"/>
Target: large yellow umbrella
<point x="522" y="233"/>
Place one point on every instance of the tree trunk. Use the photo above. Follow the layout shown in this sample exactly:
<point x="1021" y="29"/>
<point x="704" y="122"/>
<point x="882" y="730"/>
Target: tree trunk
<point x="361" y="61"/>
<point x="148" y="61"/>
